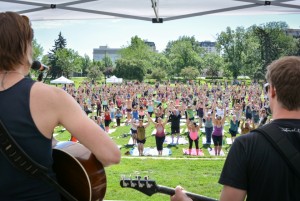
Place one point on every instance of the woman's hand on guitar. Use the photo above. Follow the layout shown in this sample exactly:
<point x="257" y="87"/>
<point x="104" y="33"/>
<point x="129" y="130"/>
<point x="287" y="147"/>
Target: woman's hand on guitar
<point x="180" y="195"/>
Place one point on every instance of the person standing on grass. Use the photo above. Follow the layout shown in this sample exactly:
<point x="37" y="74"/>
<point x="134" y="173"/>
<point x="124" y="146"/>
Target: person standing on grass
<point x="253" y="169"/>
<point x="118" y="116"/>
<point x="174" y="118"/>
<point x="141" y="136"/>
<point x="133" y="130"/>
<point x="234" y="126"/>
<point x="107" y="120"/>
<point x="217" y="135"/>
<point x="150" y="108"/>
<point x="208" y="125"/>
<point x="160" y="132"/>
<point x="128" y="109"/>
<point x="193" y="135"/>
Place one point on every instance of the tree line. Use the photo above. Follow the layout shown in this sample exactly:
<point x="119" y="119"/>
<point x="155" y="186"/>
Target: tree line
<point x="240" y="51"/>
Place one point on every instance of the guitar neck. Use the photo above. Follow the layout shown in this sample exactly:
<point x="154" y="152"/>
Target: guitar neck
<point x="193" y="196"/>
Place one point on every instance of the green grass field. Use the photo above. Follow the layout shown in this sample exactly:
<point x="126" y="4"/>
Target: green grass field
<point x="196" y="174"/>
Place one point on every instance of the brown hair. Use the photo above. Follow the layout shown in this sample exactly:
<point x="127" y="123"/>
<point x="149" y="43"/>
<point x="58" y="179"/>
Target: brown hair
<point x="283" y="74"/>
<point x="16" y="37"/>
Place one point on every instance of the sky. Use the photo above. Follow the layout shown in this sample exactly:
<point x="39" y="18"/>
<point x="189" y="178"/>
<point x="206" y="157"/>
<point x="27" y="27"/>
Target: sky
<point x="85" y="35"/>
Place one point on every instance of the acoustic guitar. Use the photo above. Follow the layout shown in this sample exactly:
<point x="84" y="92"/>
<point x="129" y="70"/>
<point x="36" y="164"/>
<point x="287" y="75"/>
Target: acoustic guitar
<point x="149" y="187"/>
<point x="78" y="171"/>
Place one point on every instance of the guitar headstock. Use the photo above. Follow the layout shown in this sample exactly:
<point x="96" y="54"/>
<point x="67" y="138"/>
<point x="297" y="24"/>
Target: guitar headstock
<point x="146" y="186"/>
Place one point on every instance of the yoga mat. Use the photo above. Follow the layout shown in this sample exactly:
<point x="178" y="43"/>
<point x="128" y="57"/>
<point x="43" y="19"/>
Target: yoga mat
<point x="150" y="151"/>
<point x="193" y="152"/>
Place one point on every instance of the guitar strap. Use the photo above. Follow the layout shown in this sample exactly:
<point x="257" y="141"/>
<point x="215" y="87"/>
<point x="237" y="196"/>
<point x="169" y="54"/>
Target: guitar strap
<point x="20" y="160"/>
<point x="277" y="138"/>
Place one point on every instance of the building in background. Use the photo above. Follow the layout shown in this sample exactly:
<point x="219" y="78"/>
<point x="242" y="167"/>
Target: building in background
<point x="151" y="45"/>
<point x="99" y="53"/>
<point x="293" y="32"/>
<point x="209" y="47"/>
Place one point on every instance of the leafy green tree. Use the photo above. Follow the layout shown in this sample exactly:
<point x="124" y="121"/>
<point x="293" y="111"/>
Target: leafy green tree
<point x="160" y="62"/>
<point x="213" y="64"/>
<point x="130" y="69"/>
<point x="137" y="50"/>
<point x="107" y="62"/>
<point x="181" y="55"/>
<point x="94" y="73"/>
<point x="192" y="40"/>
<point x="233" y="44"/>
<point x="297" y="52"/>
<point x="37" y="50"/>
<point x="189" y="73"/>
<point x="159" y="74"/>
<point x="86" y="63"/>
<point x="95" y="70"/>
<point x="68" y="60"/>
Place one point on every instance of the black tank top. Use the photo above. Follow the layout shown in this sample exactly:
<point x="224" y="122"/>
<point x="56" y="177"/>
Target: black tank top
<point x="15" y="114"/>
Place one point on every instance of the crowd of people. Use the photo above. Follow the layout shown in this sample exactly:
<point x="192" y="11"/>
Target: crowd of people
<point x="245" y="107"/>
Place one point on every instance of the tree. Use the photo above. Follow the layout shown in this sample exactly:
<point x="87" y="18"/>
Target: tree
<point x="233" y="44"/>
<point x="130" y="69"/>
<point x="137" y="50"/>
<point x="189" y="72"/>
<point x="158" y="74"/>
<point x="182" y="55"/>
<point x="213" y="64"/>
<point x="37" y="50"/>
<point x="94" y="73"/>
<point x="273" y="43"/>
<point x="297" y="52"/>
<point x="59" y="43"/>
<point x="68" y="61"/>
<point x="85" y="64"/>
<point x="95" y="70"/>
<point x="107" y="62"/>
<point x="192" y="40"/>
<point x="160" y="62"/>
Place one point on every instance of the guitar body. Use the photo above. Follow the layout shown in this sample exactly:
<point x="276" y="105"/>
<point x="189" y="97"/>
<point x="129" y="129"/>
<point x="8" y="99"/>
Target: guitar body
<point x="78" y="171"/>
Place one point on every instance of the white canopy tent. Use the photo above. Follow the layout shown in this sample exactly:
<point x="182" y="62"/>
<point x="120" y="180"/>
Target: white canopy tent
<point x="61" y="80"/>
<point x="114" y="79"/>
<point x="149" y="10"/>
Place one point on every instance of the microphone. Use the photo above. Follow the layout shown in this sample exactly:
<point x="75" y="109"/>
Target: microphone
<point x="36" y="65"/>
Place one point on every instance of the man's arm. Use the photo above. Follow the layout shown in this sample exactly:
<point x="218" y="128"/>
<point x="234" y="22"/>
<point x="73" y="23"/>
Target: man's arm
<point x="232" y="194"/>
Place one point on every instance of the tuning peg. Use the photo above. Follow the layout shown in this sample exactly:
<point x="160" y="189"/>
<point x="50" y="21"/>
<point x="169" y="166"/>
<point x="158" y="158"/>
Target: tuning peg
<point x="124" y="183"/>
<point x="132" y="184"/>
<point x="147" y="182"/>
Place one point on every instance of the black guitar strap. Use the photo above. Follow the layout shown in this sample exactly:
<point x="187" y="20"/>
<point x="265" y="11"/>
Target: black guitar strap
<point x="277" y="138"/>
<point x="20" y="160"/>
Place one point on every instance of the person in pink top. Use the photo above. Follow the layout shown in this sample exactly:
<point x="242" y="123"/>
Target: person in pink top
<point x="193" y="135"/>
<point x="160" y="132"/>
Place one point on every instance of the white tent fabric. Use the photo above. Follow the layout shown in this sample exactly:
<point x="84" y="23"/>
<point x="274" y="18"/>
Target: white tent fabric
<point x="61" y="80"/>
<point x="148" y="10"/>
<point x="114" y="79"/>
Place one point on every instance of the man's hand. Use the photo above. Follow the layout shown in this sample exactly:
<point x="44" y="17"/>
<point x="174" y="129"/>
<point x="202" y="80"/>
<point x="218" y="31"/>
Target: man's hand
<point x="180" y="195"/>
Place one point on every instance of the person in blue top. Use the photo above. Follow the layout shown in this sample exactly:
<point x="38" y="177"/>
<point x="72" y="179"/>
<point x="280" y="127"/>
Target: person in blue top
<point x="118" y="116"/>
<point x="37" y="109"/>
